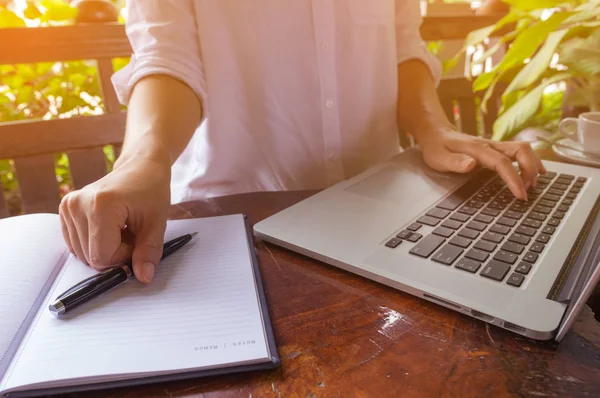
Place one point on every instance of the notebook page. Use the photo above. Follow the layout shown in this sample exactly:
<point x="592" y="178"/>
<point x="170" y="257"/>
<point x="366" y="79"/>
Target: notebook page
<point x="201" y="311"/>
<point x="31" y="248"/>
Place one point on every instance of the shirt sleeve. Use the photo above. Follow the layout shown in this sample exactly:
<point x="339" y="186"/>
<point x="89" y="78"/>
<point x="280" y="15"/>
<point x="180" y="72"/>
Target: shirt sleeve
<point x="164" y="38"/>
<point x="409" y="43"/>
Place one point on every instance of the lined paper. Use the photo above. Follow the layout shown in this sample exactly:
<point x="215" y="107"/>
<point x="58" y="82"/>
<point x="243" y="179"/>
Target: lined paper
<point x="31" y="248"/>
<point x="201" y="311"/>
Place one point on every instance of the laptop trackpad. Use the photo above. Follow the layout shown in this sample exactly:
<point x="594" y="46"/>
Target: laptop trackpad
<point x="408" y="182"/>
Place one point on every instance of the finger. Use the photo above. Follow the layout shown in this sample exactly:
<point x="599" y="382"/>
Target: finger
<point x="500" y="163"/>
<point x="74" y="238"/>
<point x="445" y="160"/>
<point x="63" y="212"/>
<point x="81" y="226"/>
<point x="525" y="157"/>
<point x="106" y="247"/>
<point x="148" y="250"/>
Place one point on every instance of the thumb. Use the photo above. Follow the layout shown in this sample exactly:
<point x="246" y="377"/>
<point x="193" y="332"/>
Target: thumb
<point x="147" y="252"/>
<point x="446" y="161"/>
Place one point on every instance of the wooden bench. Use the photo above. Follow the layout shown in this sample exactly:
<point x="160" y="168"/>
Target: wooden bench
<point x="33" y="144"/>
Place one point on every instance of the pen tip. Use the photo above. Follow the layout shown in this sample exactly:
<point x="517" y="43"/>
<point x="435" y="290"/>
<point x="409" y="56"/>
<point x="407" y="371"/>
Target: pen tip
<point x="194" y="234"/>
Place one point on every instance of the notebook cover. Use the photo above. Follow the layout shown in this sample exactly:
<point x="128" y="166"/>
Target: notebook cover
<point x="273" y="363"/>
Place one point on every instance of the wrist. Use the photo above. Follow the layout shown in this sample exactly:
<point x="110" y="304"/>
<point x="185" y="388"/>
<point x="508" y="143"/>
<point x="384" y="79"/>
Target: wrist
<point x="145" y="152"/>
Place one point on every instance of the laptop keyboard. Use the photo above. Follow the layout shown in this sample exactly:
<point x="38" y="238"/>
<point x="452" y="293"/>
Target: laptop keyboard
<point x="483" y="229"/>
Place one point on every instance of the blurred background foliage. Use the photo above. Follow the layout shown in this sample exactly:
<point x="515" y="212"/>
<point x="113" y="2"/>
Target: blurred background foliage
<point x="47" y="90"/>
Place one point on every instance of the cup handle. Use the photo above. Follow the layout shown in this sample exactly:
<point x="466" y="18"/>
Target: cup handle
<point x="568" y="126"/>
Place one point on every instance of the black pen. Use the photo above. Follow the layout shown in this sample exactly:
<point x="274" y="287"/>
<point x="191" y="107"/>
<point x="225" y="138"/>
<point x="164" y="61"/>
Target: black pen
<point x="108" y="279"/>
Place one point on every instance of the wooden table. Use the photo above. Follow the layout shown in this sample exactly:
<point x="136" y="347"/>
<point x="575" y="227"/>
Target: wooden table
<point x="340" y="335"/>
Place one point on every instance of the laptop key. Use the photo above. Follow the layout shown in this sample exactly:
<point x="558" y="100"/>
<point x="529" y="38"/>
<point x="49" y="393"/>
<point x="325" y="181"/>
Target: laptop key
<point x="477" y="255"/>
<point x="549" y="174"/>
<point x="507" y="257"/>
<point x="509" y="222"/>
<point x="463" y="193"/>
<point x="515" y="279"/>
<point x="513" y="247"/>
<point x="404" y="234"/>
<point x="414" y="227"/>
<point x="495" y="270"/>
<point x="414" y="237"/>
<point x="447" y="254"/>
<point x="460" y="242"/>
<point x="537" y="247"/>
<point x="571" y="195"/>
<point x="438" y="213"/>
<point x="477" y="226"/>
<point x="520" y="239"/>
<point x="547" y="203"/>
<point x="567" y="202"/>
<point x="467" y="210"/>
<point x="548" y="229"/>
<point x="500" y="229"/>
<point x="523" y="268"/>
<point x="468" y="233"/>
<point x="485" y="246"/>
<point x="393" y="243"/>
<point x="543" y="238"/>
<point x="578" y="185"/>
<point x="542" y="209"/>
<point x="491" y="212"/>
<point x="523" y="230"/>
<point x="513" y="214"/>
<point x="451" y="224"/>
<point x="468" y="265"/>
<point x="567" y="177"/>
<point x="427" y="220"/>
<point x="427" y="246"/>
<point x="581" y="179"/>
<point x="549" y="196"/>
<point x="537" y="216"/>
<point x="459" y="217"/>
<point x="558" y="185"/>
<point x="555" y="191"/>
<point x="484" y="218"/>
<point x="563" y="208"/>
<point x="443" y="231"/>
<point x="559" y="214"/>
<point x="528" y="222"/>
<point x="475" y="204"/>
<point x="575" y="190"/>
<point x="492" y="237"/>
<point x="530" y="257"/>
<point x="554" y="222"/>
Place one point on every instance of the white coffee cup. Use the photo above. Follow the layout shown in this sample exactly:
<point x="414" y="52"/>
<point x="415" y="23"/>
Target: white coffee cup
<point x="585" y="129"/>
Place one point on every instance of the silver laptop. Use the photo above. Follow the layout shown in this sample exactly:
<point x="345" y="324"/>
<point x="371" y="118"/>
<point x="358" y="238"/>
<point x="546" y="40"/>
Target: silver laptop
<point x="461" y="241"/>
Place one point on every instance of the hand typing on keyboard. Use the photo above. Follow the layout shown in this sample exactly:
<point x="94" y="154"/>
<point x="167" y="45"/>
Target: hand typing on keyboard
<point x="451" y="151"/>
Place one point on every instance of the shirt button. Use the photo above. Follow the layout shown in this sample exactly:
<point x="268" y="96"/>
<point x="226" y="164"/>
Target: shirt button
<point x="329" y="104"/>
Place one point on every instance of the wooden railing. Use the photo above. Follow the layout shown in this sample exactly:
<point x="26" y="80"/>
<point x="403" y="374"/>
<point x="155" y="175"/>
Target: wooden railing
<point x="33" y="143"/>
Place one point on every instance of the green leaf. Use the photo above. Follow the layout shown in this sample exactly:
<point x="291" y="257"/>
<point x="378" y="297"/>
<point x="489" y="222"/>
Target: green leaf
<point x="518" y="114"/>
<point x="530" y="39"/>
<point x="9" y="19"/>
<point x="483" y="81"/>
<point x="57" y="10"/>
<point x="529" y="5"/>
<point x="25" y="94"/>
<point x="538" y="64"/>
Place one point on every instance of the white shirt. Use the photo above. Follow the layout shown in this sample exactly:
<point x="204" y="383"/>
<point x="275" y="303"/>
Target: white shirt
<point x="297" y="94"/>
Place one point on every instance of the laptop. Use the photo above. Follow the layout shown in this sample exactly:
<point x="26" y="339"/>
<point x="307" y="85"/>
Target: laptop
<point x="459" y="240"/>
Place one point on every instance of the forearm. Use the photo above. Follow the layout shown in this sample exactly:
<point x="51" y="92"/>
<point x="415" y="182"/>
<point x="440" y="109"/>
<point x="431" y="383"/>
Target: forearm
<point x="419" y="109"/>
<point x="163" y="114"/>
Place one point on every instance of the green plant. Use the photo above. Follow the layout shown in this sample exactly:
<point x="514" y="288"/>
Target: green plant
<point x="539" y="31"/>
<point x="47" y="90"/>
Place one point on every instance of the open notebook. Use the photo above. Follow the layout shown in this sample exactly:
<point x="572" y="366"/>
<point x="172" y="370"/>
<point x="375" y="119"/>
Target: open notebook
<point x="204" y="313"/>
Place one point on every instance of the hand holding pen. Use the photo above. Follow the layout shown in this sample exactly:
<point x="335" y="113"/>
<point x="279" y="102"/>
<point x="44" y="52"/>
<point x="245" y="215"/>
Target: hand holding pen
<point x="106" y="280"/>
